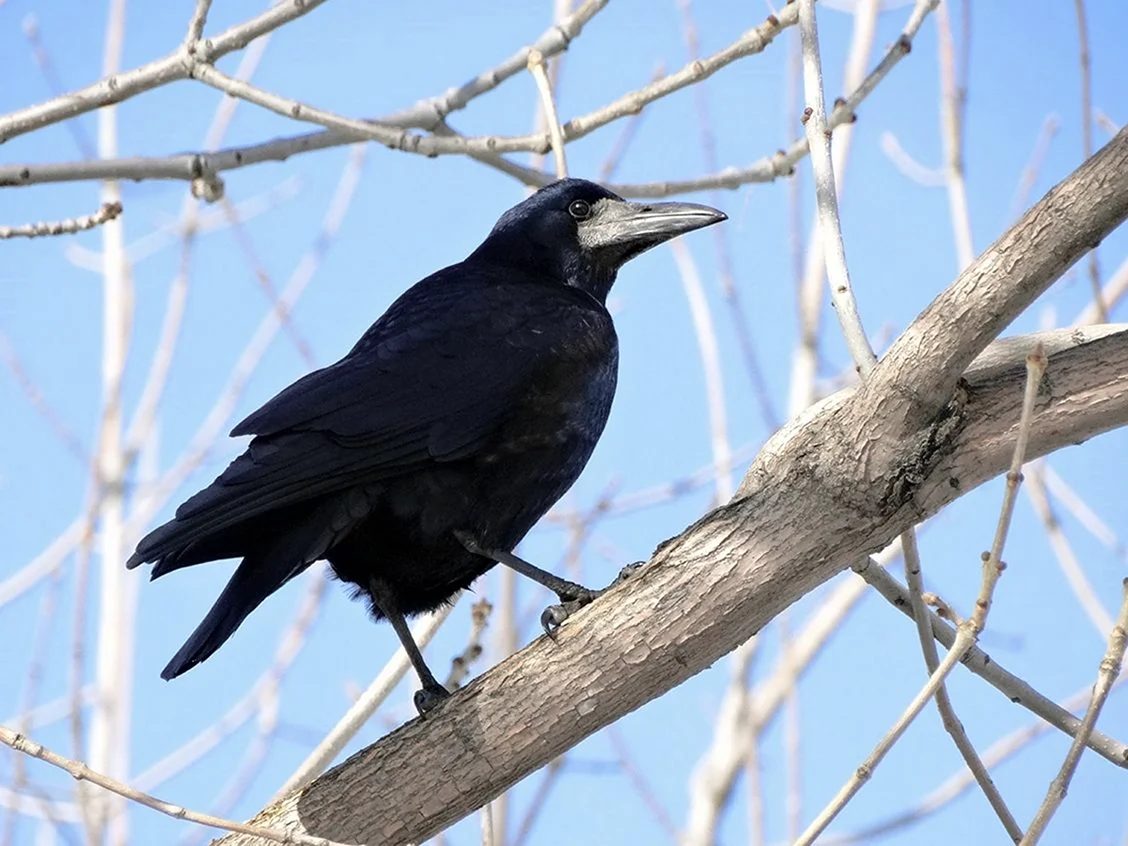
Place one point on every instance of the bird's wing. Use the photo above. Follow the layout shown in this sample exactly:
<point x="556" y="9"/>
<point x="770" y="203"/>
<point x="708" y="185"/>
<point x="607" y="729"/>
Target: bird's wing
<point x="428" y="382"/>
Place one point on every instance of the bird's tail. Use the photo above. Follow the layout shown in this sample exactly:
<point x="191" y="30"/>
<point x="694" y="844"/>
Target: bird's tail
<point x="254" y="580"/>
<point x="260" y="574"/>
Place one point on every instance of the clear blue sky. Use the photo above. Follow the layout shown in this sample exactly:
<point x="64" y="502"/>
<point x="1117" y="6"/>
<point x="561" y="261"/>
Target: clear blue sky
<point x="413" y="215"/>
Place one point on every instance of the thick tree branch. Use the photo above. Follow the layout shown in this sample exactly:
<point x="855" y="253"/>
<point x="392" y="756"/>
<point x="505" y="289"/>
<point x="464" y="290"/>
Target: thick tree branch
<point x="999" y="285"/>
<point x="702" y="594"/>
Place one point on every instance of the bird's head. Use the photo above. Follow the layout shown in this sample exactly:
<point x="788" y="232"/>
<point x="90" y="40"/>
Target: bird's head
<point x="579" y="233"/>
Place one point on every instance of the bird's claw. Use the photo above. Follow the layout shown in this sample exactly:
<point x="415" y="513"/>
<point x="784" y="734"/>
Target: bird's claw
<point x="554" y="615"/>
<point x="429" y="697"/>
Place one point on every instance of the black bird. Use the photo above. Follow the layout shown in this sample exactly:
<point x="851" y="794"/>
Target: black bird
<point x="421" y="458"/>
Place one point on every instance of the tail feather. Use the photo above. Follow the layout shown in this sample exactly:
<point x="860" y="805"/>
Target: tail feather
<point x="261" y="573"/>
<point x="254" y="580"/>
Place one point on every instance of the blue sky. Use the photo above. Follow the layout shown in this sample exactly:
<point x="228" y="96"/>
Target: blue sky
<point x="413" y="215"/>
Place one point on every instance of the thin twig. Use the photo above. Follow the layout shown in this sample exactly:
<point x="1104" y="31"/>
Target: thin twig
<point x="209" y="430"/>
<point x="197" y="23"/>
<point x="42" y="406"/>
<point x="641" y="784"/>
<point x="900" y="158"/>
<point x="727" y="272"/>
<point x="189" y="224"/>
<point x="115" y="87"/>
<point x="110" y="737"/>
<point x="1108" y="673"/>
<point x="626" y="135"/>
<point x="81" y="772"/>
<point x="953" y="105"/>
<point x="830" y="225"/>
<point x="537" y="802"/>
<point x="54" y="84"/>
<point x="968" y="631"/>
<point x="979" y="662"/>
<point x="952" y="788"/>
<point x="1064" y="493"/>
<point x="1087" y="140"/>
<point x="69" y="226"/>
<point x="1114" y="291"/>
<point x="194" y="166"/>
<point x="1079" y="583"/>
<point x="462" y="662"/>
<point x="269" y="289"/>
<point x="254" y="701"/>
<point x="706" y="334"/>
<point x="1033" y="166"/>
<point x="792" y="739"/>
<point x="548" y="104"/>
<point x="950" y="721"/>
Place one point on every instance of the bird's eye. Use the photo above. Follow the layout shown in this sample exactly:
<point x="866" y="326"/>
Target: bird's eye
<point x="580" y="209"/>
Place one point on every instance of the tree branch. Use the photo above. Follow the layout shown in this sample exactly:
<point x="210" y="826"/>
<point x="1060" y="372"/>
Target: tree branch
<point x="998" y="286"/>
<point x="701" y="595"/>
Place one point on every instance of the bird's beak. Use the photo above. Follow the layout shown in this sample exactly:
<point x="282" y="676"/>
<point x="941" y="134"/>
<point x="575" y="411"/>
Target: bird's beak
<point x="635" y="227"/>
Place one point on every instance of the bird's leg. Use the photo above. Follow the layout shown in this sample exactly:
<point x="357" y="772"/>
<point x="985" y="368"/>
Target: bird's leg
<point x="431" y="693"/>
<point x="572" y="596"/>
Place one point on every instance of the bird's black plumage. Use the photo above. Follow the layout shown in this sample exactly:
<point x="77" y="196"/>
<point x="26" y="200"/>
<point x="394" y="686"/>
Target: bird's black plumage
<point x="465" y="411"/>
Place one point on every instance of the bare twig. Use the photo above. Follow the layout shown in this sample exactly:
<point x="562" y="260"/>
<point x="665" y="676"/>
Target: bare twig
<point x="461" y="663"/>
<point x="951" y="722"/>
<point x="209" y="430"/>
<point x="830" y="226"/>
<point x="638" y="780"/>
<point x="47" y="68"/>
<point x="726" y="268"/>
<point x="115" y="87"/>
<point x="109" y="211"/>
<point x="1108" y="673"/>
<point x="998" y="752"/>
<point x="196" y="166"/>
<point x="1064" y="493"/>
<point x="742" y="713"/>
<point x="1034" y="165"/>
<point x="189" y="224"/>
<point x="42" y="405"/>
<point x="968" y="631"/>
<point x="809" y="280"/>
<point x="953" y="104"/>
<point x="109" y="739"/>
<point x="197" y="23"/>
<point x="1114" y="291"/>
<point x="927" y="177"/>
<point x="548" y="104"/>
<point x="706" y="335"/>
<point x="81" y="772"/>
<point x="626" y="135"/>
<point x="979" y="662"/>
<point x="1087" y="140"/>
<point x="539" y="799"/>
<point x="1074" y="573"/>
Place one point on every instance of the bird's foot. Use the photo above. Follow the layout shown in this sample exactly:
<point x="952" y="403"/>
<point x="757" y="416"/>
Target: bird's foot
<point x="554" y="615"/>
<point x="429" y="697"/>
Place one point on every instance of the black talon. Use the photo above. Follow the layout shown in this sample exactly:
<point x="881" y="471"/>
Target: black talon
<point x="429" y="697"/>
<point x="554" y="615"/>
